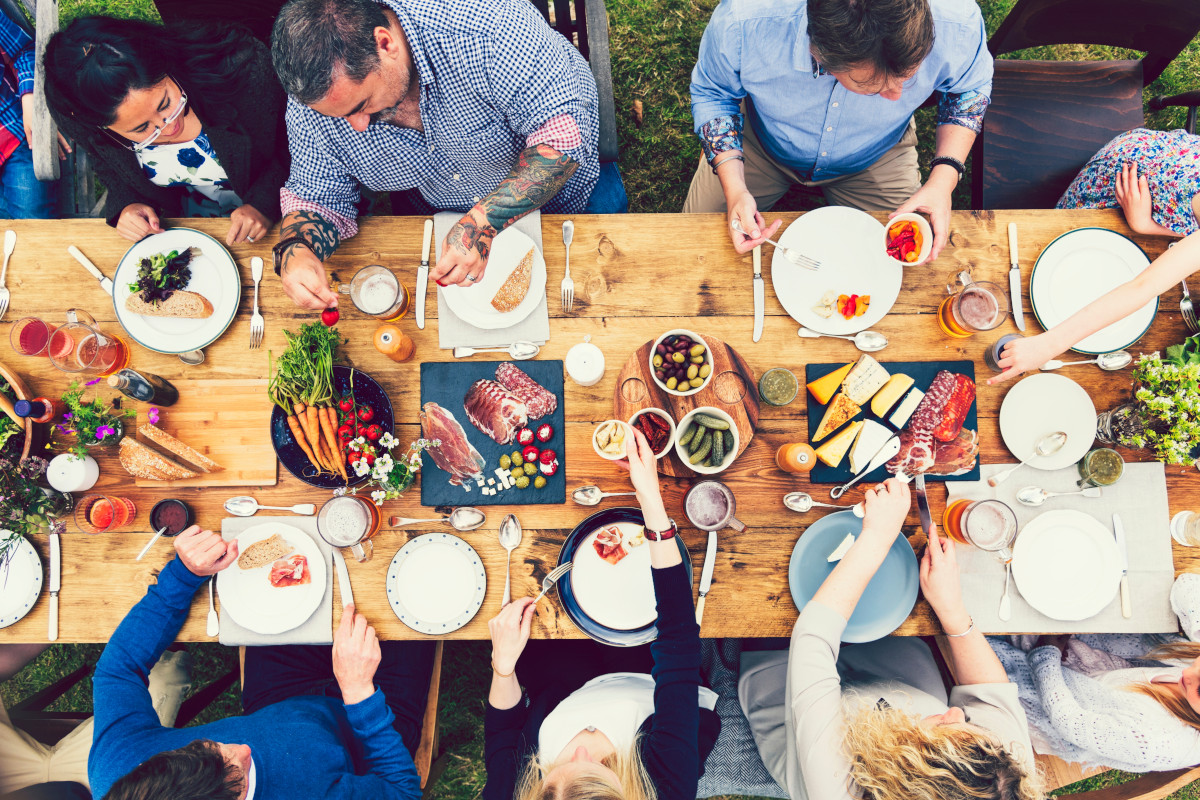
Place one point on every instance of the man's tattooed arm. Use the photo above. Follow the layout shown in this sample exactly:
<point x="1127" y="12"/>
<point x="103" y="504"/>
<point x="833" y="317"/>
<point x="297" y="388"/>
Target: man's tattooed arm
<point x="321" y="234"/>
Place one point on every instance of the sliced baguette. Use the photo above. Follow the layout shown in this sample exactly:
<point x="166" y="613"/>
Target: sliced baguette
<point x="181" y="304"/>
<point x="184" y="451"/>
<point x="142" y="462"/>
<point x="268" y="551"/>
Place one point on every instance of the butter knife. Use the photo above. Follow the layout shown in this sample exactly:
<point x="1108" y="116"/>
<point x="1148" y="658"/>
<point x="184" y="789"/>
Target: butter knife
<point x="1122" y="545"/>
<point x="343" y="576"/>
<point x="706" y="574"/>
<point x="423" y="273"/>
<point x="55" y="584"/>
<point x="105" y="283"/>
<point x="922" y="503"/>
<point x="1014" y="277"/>
<point x="759" y="294"/>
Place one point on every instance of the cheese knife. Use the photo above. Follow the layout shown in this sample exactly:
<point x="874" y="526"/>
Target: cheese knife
<point x="706" y="574"/>
<point x="423" y="273"/>
<point x="922" y="502"/>
<point x="105" y="283"/>
<point x="1014" y="277"/>
<point x="759" y="294"/>
<point x="343" y="576"/>
<point x="55" y="584"/>
<point x="1122" y="545"/>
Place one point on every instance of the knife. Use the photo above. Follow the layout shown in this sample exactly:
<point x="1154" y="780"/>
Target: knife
<point x="759" y="293"/>
<point x="423" y="273"/>
<point x="55" y="584"/>
<point x="710" y="561"/>
<point x="105" y="283"/>
<point x="1119" y="535"/>
<point x="922" y="503"/>
<point x="343" y="576"/>
<point x="1014" y="277"/>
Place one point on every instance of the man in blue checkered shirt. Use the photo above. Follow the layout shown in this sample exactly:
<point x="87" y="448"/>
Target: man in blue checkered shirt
<point x="478" y="104"/>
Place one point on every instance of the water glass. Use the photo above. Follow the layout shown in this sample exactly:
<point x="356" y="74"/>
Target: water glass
<point x="972" y="307"/>
<point x="98" y="513"/>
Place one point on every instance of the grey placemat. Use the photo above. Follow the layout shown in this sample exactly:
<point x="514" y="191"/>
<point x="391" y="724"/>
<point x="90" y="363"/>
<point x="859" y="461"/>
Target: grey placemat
<point x="453" y="331"/>
<point x="1140" y="497"/>
<point x="317" y="629"/>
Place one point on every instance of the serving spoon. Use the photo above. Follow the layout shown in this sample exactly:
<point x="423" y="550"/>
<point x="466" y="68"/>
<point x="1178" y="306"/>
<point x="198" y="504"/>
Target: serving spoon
<point x="800" y="502"/>
<point x="464" y="518"/>
<point x="1036" y="495"/>
<point x="1117" y="359"/>
<point x="510" y="537"/>
<point x="1048" y="445"/>
<point x="866" y="341"/>
<point x="521" y="351"/>
<point x="247" y="506"/>
<point x="591" y="495"/>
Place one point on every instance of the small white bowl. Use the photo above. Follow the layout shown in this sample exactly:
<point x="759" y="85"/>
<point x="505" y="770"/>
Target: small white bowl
<point x="696" y="339"/>
<point x="628" y="439"/>
<point x="658" y="412"/>
<point x="682" y="452"/>
<point x="926" y="237"/>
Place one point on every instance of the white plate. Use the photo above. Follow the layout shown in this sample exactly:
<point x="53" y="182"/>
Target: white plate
<point x="254" y="603"/>
<point x="618" y="596"/>
<point x="473" y="304"/>
<point x="1042" y="404"/>
<point x="1066" y="565"/>
<point x="436" y="583"/>
<point x="215" y="275"/>
<point x="20" y="582"/>
<point x="849" y="245"/>
<point x="1078" y="268"/>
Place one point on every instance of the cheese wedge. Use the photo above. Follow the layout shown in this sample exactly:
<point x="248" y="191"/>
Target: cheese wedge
<point x="866" y="378"/>
<point x="892" y="391"/>
<point x="822" y="389"/>
<point x="906" y="408"/>
<point x="842" y="549"/>
<point x="867" y="444"/>
<point x="833" y="451"/>
<point x="837" y="413"/>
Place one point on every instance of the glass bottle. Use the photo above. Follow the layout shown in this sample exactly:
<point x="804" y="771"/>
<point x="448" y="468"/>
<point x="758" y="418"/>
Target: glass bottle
<point x="144" y="386"/>
<point x="39" y="409"/>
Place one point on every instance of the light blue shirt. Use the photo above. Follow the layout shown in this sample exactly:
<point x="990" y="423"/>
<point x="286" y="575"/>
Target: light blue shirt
<point x="759" y="49"/>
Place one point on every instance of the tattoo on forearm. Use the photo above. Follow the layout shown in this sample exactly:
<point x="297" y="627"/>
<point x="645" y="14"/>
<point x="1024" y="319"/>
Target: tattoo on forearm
<point x="321" y="234"/>
<point x="468" y="235"/>
<point x="540" y="173"/>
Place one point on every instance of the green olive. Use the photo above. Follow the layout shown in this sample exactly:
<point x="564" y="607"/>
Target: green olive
<point x="671" y="383"/>
<point x="697" y="350"/>
<point x="657" y="360"/>
<point x="693" y="371"/>
<point x="697" y="359"/>
<point x="696" y="382"/>
<point x="677" y="357"/>
<point x="705" y="370"/>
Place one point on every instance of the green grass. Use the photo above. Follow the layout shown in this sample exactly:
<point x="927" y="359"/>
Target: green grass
<point x="654" y="43"/>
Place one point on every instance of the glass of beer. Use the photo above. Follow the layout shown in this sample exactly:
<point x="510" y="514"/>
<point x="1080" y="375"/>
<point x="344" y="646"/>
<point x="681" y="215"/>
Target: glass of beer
<point x="349" y="521"/>
<point x="374" y="290"/>
<point x="80" y="348"/>
<point x="987" y="524"/>
<point x="972" y="307"/>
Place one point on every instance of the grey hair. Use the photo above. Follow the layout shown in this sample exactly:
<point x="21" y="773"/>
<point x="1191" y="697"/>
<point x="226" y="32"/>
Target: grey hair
<point x="315" y="41"/>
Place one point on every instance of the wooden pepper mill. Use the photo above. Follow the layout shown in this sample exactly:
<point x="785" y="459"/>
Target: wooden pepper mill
<point x="394" y="343"/>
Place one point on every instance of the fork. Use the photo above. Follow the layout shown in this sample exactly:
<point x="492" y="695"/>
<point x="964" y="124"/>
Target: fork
<point x="1185" y="308"/>
<point x="10" y="244"/>
<point x="568" y="285"/>
<point x="799" y="259"/>
<point x="257" y="326"/>
<point x="551" y="579"/>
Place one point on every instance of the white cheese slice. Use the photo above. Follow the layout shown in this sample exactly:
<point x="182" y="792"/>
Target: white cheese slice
<point x="869" y="440"/>
<point x="866" y="378"/>
<point x="907" y="406"/>
<point x="842" y="549"/>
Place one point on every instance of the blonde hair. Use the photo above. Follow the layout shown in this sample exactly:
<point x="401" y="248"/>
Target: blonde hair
<point x="894" y="757"/>
<point x="1168" y="698"/>
<point x="635" y="783"/>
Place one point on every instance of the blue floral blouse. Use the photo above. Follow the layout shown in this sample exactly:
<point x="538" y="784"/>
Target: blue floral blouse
<point x="194" y="165"/>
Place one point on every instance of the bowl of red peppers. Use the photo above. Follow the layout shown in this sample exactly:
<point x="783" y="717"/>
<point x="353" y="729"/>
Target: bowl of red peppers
<point x="658" y="428"/>
<point x="908" y="239"/>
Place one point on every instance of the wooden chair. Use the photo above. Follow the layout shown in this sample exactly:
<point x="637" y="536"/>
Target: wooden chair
<point x="1047" y="118"/>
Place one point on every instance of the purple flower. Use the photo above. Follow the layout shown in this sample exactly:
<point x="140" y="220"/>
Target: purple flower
<point x="153" y="416"/>
<point x="103" y="431"/>
<point x="93" y="382"/>
<point x="68" y="415"/>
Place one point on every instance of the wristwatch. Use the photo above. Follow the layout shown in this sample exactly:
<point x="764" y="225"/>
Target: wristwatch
<point x="278" y="250"/>
<point x="658" y="536"/>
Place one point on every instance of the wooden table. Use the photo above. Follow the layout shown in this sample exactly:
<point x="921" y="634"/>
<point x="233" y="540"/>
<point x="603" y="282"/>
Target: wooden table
<point x="635" y="276"/>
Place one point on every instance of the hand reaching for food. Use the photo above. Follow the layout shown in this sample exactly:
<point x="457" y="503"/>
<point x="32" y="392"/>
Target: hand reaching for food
<point x="356" y="656"/>
<point x="204" y="552"/>
<point x="510" y="633"/>
<point x="884" y="510"/>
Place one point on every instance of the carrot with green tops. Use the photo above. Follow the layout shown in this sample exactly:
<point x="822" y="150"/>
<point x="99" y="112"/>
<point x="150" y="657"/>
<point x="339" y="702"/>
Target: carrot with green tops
<point x="325" y="415"/>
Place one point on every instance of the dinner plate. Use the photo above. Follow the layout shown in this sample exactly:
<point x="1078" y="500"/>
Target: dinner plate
<point x="889" y="597"/>
<point x="473" y="304"/>
<point x="612" y="603"/>
<point x="215" y="275"/>
<point x="849" y="245"/>
<point x="20" y="582"/>
<point x="1042" y="404"/>
<point x="436" y="583"/>
<point x="1078" y="268"/>
<point x="1066" y="565"/>
<point x="253" y="602"/>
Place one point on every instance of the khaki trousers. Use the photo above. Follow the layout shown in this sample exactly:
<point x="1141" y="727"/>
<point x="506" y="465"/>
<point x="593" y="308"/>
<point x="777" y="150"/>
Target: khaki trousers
<point x="880" y="187"/>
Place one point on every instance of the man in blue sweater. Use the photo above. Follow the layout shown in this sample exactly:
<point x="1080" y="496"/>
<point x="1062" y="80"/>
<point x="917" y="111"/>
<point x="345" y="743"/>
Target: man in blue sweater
<point x="332" y="736"/>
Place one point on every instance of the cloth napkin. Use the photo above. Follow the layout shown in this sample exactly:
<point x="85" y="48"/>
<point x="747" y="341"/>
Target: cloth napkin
<point x="317" y="629"/>
<point x="455" y="332"/>
<point x="1140" y="497"/>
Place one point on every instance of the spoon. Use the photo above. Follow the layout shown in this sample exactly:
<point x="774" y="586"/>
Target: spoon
<point x="521" y="351"/>
<point x="510" y="537"/>
<point x="1117" y="359"/>
<point x="1005" y="612"/>
<point x="801" y="502"/>
<point x="591" y="495"/>
<point x="247" y="506"/>
<point x="1036" y="495"/>
<point x="465" y="518"/>
<point x="150" y="543"/>
<point x="866" y="341"/>
<point x="1048" y="445"/>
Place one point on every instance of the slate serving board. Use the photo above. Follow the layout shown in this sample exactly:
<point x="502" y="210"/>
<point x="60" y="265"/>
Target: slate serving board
<point x="922" y="373"/>
<point x="446" y="383"/>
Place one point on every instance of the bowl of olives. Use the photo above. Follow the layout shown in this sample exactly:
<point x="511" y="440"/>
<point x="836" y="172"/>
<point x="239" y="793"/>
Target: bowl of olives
<point x="680" y="362"/>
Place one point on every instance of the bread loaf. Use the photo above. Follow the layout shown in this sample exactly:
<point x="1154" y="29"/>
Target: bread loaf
<point x="186" y="452"/>
<point x="142" y="462"/>
<point x="181" y="304"/>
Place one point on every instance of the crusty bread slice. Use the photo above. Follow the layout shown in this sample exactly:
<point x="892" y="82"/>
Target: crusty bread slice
<point x="514" y="289"/>
<point x="182" y="304"/>
<point x="142" y="462"/>
<point x="268" y="551"/>
<point x="186" y="452"/>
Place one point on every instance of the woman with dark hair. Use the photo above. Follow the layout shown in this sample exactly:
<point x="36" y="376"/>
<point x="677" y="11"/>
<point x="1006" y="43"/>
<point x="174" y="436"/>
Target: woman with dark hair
<point x="178" y="122"/>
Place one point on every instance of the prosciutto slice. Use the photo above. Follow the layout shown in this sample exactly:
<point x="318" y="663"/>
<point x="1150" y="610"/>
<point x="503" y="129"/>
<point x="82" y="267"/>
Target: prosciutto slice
<point x="917" y="447"/>
<point x="290" y="571"/>
<point x="495" y="410"/>
<point x="455" y="455"/>
<point x="538" y="400"/>
<point x="609" y="545"/>
<point x="957" y="456"/>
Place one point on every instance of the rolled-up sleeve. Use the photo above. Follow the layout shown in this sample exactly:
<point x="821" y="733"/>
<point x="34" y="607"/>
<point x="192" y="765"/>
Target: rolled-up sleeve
<point x="318" y="180"/>
<point x="967" y="90"/>
<point x="716" y="88"/>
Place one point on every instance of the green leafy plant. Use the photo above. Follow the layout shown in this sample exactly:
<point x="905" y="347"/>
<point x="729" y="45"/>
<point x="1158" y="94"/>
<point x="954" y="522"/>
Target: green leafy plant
<point x="25" y="507"/>
<point x="1168" y="403"/>
<point x="91" y="421"/>
<point x="390" y="476"/>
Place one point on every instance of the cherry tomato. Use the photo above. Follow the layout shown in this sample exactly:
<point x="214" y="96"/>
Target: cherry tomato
<point x="374" y="432"/>
<point x="345" y="432"/>
<point x="365" y="413"/>
<point x="346" y="404"/>
<point x="354" y="457"/>
<point x="330" y="317"/>
<point x="369" y="458"/>
<point x="361" y="430"/>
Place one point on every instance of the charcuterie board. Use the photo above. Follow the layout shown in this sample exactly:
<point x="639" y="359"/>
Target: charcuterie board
<point x="733" y="388"/>
<point x="447" y="384"/>
<point x="922" y="373"/>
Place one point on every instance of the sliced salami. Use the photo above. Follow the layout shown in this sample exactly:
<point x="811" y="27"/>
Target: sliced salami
<point x="916" y="440"/>
<point x="954" y="413"/>
<point x="537" y="399"/>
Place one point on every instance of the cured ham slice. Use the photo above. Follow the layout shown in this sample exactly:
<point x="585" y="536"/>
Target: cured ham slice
<point x="537" y="399"/>
<point x="957" y="456"/>
<point x="916" y="440"/>
<point x="495" y="410"/>
<point x="609" y="545"/>
<point x="290" y="571"/>
<point x="455" y="455"/>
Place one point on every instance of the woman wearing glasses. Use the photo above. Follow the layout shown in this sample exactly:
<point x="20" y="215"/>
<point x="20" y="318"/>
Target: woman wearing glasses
<point x="177" y="123"/>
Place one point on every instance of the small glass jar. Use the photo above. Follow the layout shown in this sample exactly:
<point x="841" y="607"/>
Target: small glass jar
<point x="778" y="387"/>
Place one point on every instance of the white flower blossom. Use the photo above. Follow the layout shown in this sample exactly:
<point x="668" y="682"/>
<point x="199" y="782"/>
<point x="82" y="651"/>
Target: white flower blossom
<point x="388" y="441"/>
<point x="361" y="467"/>
<point x="378" y="497"/>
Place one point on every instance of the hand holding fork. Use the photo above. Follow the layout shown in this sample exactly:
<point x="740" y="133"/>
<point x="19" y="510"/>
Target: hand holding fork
<point x="551" y="579"/>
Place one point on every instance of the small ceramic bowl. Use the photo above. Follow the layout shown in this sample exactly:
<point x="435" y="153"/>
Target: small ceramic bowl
<point x="628" y="438"/>
<point x="730" y="454"/>
<point x="696" y="339"/>
<point x="923" y="228"/>
<point x="658" y="412"/>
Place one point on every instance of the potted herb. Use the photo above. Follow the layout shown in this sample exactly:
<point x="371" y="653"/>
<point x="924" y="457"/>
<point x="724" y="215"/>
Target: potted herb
<point x="390" y="475"/>
<point x="26" y="507"/>
<point x="1164" y="416"/>
<point x="93" y="422"/>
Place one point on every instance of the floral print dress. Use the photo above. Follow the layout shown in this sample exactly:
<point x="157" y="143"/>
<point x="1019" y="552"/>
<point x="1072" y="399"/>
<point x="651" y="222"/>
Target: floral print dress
<point x="1170" y="160"/>
<point x="193" y="165"/>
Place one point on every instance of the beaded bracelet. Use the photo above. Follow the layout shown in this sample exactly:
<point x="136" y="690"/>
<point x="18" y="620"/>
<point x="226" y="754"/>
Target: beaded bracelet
<point x="970" y="628"/>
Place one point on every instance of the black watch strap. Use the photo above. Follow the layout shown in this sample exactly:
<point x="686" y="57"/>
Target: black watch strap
<point x="278" y="250"/>
<point x="954" y="162"/>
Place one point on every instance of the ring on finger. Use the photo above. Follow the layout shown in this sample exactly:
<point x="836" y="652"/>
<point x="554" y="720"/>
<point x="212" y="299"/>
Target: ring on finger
<point x="250" y="239"/>
<point x="472" y="278"/>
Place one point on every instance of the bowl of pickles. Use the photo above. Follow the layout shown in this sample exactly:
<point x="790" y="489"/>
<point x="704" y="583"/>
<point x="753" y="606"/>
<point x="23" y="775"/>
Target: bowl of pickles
<point x="707" y="440"/>
<point x="680" y="362"/>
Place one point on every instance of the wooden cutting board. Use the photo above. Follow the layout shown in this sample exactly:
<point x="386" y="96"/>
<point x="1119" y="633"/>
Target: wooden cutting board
<point x="227" y="420"/>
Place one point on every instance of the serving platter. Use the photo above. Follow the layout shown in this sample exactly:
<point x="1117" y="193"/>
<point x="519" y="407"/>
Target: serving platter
<point x="256" y="605"/>
<point x="474" y="303"/>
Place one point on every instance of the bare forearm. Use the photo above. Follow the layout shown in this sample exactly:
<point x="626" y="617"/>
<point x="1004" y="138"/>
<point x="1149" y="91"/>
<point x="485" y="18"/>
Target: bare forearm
<point x="972" y="658"/>
<point x="844" y="587"/>
<point x="505" y="692"/>
<point x="321" y="234"/>
<point x="954" y="141"/>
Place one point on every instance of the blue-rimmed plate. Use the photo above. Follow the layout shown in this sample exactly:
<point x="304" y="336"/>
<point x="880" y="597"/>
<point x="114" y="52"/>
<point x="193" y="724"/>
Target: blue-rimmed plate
<point x="889" y="597"/>
<point x="436" y="583"/>
<point x="612" y="603"/>
<point x="20" y="581"/>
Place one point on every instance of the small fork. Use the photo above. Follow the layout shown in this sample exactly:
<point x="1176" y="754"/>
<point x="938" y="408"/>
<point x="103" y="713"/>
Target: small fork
<point x="10" y="244"/>
<point x="551" y="579"/>
<point x="1186" y="309"/>
<point x="257" y="326"/>
<point x="799" y="259"/>
<point x="568" y="285"/>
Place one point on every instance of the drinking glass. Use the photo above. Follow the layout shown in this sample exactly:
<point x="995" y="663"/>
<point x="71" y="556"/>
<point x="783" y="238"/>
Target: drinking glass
<point x="1185" y="528"/>
<point x="1101" y="467"/>
<point x="989" y="525"/>
<point x="349" y="521"/>
<point x="374" y="290"/>
<point x="98" y="513"/>
<point x="710" y="507"/>
<point x="29" y="336"/>
<point x="972" y="307"/>
<point x="80" y="348"/>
